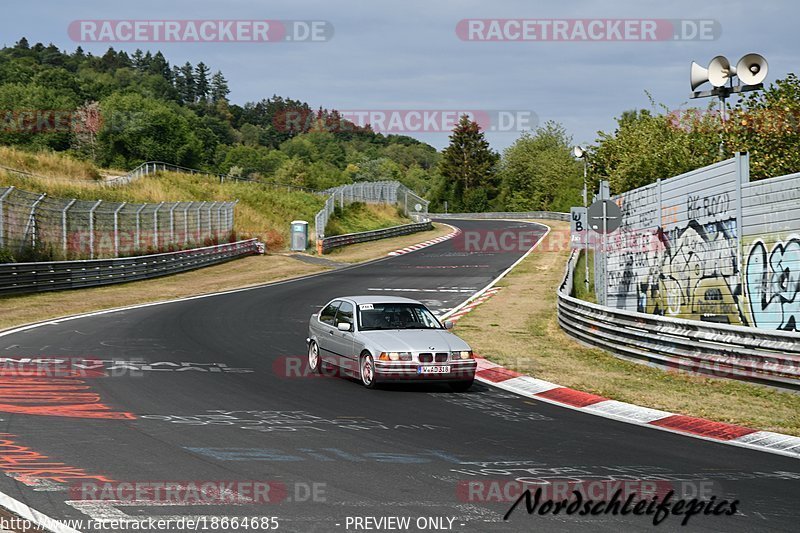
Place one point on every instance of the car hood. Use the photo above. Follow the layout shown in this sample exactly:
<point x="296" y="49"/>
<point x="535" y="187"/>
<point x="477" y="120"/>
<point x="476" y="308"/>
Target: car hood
<point x="415" y="340"/>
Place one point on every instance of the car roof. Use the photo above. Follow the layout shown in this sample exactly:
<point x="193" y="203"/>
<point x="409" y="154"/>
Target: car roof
<point x="378" y="300"/>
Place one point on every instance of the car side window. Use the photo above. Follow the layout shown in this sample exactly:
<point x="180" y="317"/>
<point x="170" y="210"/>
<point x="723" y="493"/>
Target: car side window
<point x="327" y="315"/>
<point x="345" y="313"/>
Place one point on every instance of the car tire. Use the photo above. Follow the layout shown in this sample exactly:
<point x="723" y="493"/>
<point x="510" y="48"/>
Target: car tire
<point x="366" y="370"/>
<point x="314" y="360"/>
<point x="461" y="386"/>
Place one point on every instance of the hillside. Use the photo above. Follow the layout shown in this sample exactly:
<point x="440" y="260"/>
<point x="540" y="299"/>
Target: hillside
<point x="263" y="211"/>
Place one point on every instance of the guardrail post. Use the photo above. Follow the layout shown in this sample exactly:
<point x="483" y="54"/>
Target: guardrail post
<point x="155" y="225"/>
<point x="116" y="228"/>
<point x="2" y="215"/>
<point x="64" y="226"/>
<point x="91" y="228"/>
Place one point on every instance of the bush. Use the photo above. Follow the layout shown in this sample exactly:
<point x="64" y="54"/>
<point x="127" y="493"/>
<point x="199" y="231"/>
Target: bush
<point x="5" y="256"/>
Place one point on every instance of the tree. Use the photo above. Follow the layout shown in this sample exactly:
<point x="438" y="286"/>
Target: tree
<point x="538" y="171"/>
<point x="159" y="66"/>
<point x="137" y="128"/>
<point x="468" y="167"/>
<point x="187" y="89"/>
<point x="767" y="124"/>
<point x="219" y="87"/>
<point x="86" y="126"/>
<point x="201" y="87"/>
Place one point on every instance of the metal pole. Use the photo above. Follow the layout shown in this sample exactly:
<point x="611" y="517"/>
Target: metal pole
<point x="210" y="221"/>
<point x="116" y="228"/>
<point x="64" y="225"/>
<point x="138" y="225"/>
<point x="155" y="225"/>
<point x="585" y="228"/>
<point x="605" y="257"/>
<point x="186" y="223"/>
<point x="219" y="217"/>
<point x="32" y="220"/>
<point x="199" y="226"/>
<point x="2" y="215"/>
<point x="172" y="223"/>
<point x="91" y="228"/>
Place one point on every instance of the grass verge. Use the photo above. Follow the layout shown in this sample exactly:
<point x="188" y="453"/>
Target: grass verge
<point x="249" y="271"/>
<point x="518" y="329"/>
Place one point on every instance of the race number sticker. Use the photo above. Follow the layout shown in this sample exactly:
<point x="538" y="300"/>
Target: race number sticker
<point x="366" y="307"/>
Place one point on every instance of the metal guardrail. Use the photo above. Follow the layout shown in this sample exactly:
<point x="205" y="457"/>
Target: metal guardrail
<point x="719" y="350"/>
<point x="329" y="243"/>
<point x="19" y="278"/>
<point x="543" y="215"/>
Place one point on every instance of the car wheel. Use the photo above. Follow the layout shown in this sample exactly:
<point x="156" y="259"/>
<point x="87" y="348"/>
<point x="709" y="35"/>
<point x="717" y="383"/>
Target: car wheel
<point x="314" y="360"/>
<point x="461" y="386"/>
<point x="367" y="371"/>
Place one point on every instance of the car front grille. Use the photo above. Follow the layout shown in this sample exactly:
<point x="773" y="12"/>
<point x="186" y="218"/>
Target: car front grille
<point x="439" y="357"/>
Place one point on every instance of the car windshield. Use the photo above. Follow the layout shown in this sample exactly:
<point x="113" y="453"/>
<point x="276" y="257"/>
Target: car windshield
<point x="395" y="316"/>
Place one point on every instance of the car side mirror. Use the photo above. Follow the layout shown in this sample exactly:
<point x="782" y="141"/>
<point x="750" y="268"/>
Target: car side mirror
<point x="448" y="324"/>
<point x="344" y="326"/>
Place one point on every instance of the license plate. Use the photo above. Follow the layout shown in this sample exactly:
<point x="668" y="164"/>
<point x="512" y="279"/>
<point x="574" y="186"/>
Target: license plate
<point x="439" y="369"/>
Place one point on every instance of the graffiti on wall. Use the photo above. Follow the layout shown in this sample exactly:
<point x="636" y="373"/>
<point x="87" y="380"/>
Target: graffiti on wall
<point x="773" y="284"/>
<point x="697" y="276"/>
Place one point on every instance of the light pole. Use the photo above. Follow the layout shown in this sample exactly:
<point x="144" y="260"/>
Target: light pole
<point x="580" y="153"/>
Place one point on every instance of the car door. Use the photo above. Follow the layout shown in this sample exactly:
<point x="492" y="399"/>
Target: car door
<point x="326" y="330"/>
<point x="342" y="341"/>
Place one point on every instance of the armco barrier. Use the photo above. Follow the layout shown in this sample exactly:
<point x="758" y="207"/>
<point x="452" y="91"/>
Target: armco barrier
<point x="542" y="215"/>
<point x="329" y="243"/>
<point x="18" y="278"/>
<point x="720" y="350"/>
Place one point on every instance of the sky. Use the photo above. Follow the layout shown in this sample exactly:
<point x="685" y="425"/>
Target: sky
<point x="406" y="55"/>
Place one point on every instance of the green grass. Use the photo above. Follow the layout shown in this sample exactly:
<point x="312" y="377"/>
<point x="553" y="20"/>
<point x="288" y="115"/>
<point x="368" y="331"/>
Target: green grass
<point x="364" y="217"/>
<point x="578" y="282"/>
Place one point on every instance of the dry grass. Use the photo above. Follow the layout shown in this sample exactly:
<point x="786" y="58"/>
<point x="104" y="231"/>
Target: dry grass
<point x="51" y="164"/>
<point x="249" y="271"/>
<point x="518" y="329"/>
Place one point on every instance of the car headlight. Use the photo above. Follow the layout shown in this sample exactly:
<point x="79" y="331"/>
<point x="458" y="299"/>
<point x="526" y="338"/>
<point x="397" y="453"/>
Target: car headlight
<point x="465" y="354"/>
<point x="395" y="356"/>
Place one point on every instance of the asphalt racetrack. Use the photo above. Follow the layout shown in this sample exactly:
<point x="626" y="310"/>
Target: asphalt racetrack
<point x="213" y="389"/>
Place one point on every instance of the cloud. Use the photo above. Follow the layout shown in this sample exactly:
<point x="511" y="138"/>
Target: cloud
<point x="406" y="54"/>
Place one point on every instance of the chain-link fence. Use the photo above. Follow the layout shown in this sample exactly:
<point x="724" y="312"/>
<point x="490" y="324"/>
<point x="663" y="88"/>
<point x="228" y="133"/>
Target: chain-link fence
<point x="371" y="192"/>
<point x="35" y="226"/>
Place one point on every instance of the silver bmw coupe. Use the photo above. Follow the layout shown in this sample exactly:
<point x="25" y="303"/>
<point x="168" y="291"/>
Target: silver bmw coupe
<point x="381" y="339"/>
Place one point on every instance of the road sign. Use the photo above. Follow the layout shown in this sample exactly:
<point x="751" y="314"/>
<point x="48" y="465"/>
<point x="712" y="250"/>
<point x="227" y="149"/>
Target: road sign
<point x="605" y="216"/>
<point x="577" y="227"/>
